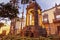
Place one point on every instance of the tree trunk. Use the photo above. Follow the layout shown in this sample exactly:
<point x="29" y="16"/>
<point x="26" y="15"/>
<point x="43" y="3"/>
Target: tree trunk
<point x="13" y="26"/>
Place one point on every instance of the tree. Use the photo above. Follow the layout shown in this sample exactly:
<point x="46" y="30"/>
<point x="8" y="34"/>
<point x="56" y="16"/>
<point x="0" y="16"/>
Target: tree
<point x="10" y="11"/>
<point x="7" y="10"/>
<point x="1" y="24"/>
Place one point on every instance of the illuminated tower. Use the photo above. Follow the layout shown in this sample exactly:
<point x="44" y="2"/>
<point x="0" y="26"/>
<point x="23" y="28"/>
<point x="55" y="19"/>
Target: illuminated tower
<point x="33" y="15"/>
<point x="34" y="27"/>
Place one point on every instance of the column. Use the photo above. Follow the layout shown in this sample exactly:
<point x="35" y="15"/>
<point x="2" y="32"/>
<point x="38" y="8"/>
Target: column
<point x="32" y="20"/>
<point x="27" y="19"/>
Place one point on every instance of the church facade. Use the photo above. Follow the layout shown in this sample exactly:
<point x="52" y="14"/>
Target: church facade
<point x="34" y="26"/>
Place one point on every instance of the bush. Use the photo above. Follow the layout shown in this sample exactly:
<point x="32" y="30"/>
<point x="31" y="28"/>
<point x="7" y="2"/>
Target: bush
<point x="54" y="37"/>
<point x="15" y="37"/>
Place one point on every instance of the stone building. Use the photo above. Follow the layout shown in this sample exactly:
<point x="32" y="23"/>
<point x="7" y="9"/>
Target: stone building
<point x="51" y="20"/>
<point x="34" y="26"/>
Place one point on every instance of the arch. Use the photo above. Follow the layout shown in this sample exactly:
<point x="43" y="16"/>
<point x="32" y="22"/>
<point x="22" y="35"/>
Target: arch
<point x="30" y="11"/>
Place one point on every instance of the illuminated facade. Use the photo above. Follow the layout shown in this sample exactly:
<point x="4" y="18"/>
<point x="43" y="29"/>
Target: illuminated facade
<point x="30" y="16"/>
<point x="51" y="20"/>
<point x="34" y="26"/>
<point x="5" y="29"/>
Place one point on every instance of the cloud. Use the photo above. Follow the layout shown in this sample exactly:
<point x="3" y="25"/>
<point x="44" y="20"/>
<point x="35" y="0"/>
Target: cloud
<point x="5" y="1"/>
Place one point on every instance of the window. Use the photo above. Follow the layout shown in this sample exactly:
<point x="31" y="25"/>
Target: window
<point x="58" y="29"/>
<point x="58" y="16"/>
<point x="45" y="19"/>
<point x="30" y="19"/>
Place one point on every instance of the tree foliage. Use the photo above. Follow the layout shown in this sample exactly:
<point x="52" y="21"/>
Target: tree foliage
<point x="8" y="10"/>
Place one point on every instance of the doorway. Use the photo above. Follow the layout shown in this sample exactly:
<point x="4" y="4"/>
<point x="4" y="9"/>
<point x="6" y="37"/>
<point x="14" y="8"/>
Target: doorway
<point x="58" y="29"/>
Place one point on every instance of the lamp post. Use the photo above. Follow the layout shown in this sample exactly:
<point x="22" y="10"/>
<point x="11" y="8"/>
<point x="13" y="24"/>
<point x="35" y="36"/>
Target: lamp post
<point x="22" y="19"/>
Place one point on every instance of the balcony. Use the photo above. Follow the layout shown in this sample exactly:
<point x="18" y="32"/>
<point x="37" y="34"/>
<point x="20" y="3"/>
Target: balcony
<point x="45" y="21"/>
<point x="57" y="20"/>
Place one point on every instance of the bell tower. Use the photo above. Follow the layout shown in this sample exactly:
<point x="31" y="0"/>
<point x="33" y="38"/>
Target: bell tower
<point x="33" y="14"/>
<point x="33" y="26"/>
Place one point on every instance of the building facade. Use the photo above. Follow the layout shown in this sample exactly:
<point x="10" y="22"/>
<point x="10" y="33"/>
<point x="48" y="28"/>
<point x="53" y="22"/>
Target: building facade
<point x="33" y="26"/>
<point x="51" y="20"/>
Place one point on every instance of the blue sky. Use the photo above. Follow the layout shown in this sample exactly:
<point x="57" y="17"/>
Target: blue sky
<point x="4" y="1"/>
<point x="45" y="4"/>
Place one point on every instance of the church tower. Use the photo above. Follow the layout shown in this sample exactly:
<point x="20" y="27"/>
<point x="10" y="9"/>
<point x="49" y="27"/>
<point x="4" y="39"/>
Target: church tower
<point x="33" y="15"/>
<point x="33" y="26"/>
